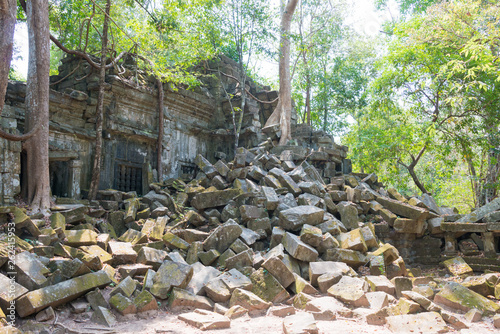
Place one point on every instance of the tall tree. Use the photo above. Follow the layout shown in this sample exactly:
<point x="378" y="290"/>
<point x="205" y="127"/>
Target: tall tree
<point x="96" y="170"/>
<point x="37" y="103"/>
<point x="282" y="115"/>
<point x="7" y="24"/>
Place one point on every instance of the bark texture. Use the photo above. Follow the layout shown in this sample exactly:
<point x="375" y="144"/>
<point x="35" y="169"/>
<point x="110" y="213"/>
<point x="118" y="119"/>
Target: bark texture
<point x="96" y="170"/>
<point x="37" y="105"/>
<point x="283" y="113"/>
<point x="159" y="165"/>
<point x="7" y="24"/>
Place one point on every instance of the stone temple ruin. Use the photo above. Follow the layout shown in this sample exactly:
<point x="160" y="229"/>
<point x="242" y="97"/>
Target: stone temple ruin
<point x="195" y="122"/>
<point x="266" y="229"/>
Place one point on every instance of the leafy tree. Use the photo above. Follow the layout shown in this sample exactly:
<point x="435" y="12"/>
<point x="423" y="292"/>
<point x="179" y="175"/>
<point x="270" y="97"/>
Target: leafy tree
<point x="239" y="29"/>
<point x="440" y="72"/>
<point x="282" y="115"/>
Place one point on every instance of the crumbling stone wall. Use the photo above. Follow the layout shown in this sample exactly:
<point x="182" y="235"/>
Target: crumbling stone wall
<point x="195" y="122"/>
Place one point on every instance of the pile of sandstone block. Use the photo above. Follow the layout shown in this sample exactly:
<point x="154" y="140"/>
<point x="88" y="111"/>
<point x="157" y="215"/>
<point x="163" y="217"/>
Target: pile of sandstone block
<point x="258" y="234"/>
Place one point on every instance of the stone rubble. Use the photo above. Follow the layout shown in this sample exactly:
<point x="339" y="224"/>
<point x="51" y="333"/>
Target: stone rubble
<point x="259" y="234"/>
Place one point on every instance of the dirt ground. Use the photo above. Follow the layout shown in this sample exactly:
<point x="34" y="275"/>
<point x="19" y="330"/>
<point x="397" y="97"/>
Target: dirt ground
<point x="165" y="322"/>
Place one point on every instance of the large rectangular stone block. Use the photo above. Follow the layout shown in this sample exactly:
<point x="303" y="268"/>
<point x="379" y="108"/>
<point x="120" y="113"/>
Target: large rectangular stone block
<point x="60" y="293"/>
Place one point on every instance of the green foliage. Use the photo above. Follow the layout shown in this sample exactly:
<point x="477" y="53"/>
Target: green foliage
<point x="333" y="64"/>
<point x="169" y="35"/>
<point x="15" y="75"/>
<point x="437" y="87"/>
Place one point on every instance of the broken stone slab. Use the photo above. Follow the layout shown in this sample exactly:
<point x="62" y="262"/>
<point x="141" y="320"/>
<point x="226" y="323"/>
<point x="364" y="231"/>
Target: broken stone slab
<point x="122" y="304"/>
<point x="281" y="311"/>
<point x="238" y="246"/>
<point x="248" y="300"/>
<point x="103" y="316"/>
<point x="381" y="283"/>
<point x="403" y="209"/>
<point x="267" y="287"/>
<point x="30" y="271"/>
<point x="10" y="294"/>
<point x="456" y="296"/>
<point x="353" y="240"/>
<point x="60" y="293"/>
<point x="217" y="290"/>
<point x="428" y="322"/>
<point x="96" y="299"/>
<point x="430" y="203"/>
<point x="298" y="249"/>
<point x="271" y="198"/>
<point x="209" y="257"/>
<point x="251" y="212"/>
<point x="212" y="199"/>
<point x="95" y="250"/>
<point x="151" y="256"/>
<point x="170" y="275"/>
<point x="158" y="228"/>
<point x="484" y="285"/>
<point x="260" y="224"/>
<point x="180" y="298"/>
<point x="235" y="312"/>
<point x="327" y="308"/>
<point x="292" y="219"/>
<point x="406" y="225"/>
<point x="286" y="181"/>
<point x="45" y="315"/>
<point x="76" y="213"/>
<point x="205" y="166"/>
<point x="77" y="238"/>
<point x="201" y="276"/>
<point x="134" y="237"/>
<point x="464" y="227"/>
<point x="126" y="287"/>
<point x="388" y="251"/>
<point x="326" y="281"/>
<point x="454" y="320"/>
<point x="173" y="241"/>
<point x="300" y="323"/>
<point x="473" y="315"/>
<point x="223" y="236"/>
<point x="316" y="269"/>
<point x="351" y="290"/>
<point x="350" y="257"/>
<point x="279" y="270"/>
<point x="332" y="225"/>
<point x="348" y="215"/>
<point x="403" y="306"/>
<point x="205" y="320"/>
<point x="458" y="267"/>
<point x="250" y="237"/>
<point x="327" y="242"/>
<point x="402" y="284"/>
<point x="425" y="303"/>
<point x="301" y="285"/>
<point x="132" y="206"/>
<point x="311" y="235"/>
<point x="240" y="260"/>
<point x="122" y="252"/>
<point x="481" y="212"/>
<point x="234" y="279"/>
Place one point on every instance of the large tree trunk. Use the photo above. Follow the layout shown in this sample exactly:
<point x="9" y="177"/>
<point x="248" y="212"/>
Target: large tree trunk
<point x="37" y="105"/>
<point x="96" y="170"/>
<point x="283" y="113"/>
<point x="159" y="143"/>
<point x="7" y="24"/>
